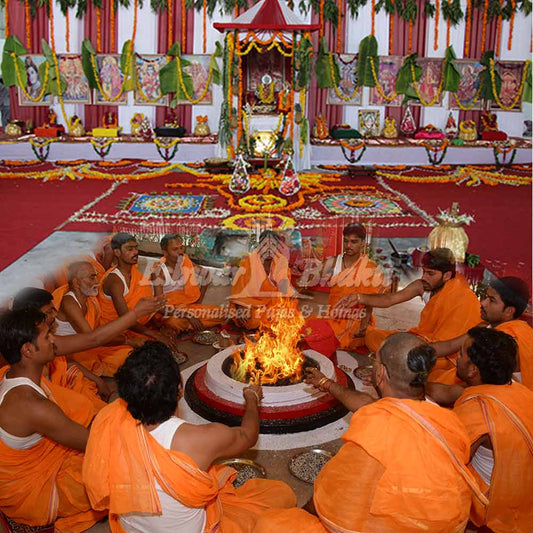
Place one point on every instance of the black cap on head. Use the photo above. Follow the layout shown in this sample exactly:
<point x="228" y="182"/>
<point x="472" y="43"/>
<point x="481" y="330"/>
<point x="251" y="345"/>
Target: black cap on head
<point x="513" y="291"/>
<point x="441" y="259"/>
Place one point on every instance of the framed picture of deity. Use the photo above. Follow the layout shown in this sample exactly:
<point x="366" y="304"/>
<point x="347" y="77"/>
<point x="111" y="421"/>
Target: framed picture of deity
<point x="111" y="79"/>
<point x="198" y="69"/>
<point x="387" y="73"/>
<point x="347" y="92"/>
<point x="148" y="85"/>
<point x="369" y="122"/>
<point x="430" y="81"/>
<point x="33" y="94"/>
<point x="469" y="83"/>
<point x="511" y="73"/>
<point x="77" y="88"/>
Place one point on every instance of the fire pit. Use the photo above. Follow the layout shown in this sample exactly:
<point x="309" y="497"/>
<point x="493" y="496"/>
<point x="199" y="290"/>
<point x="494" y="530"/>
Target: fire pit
<point x="217" y="397"/>
<point x="214" y="391"/>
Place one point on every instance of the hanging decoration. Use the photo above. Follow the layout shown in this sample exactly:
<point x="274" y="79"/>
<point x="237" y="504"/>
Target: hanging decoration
<point x="167" y="146"/>
<point x="352" y="148"/>
<point x="112" y="24"/>
<point x="204" y="17"/>
<point x="41" y="147"/>
<point x="27" y="24"/>
<point x="437" y="14"/>
<point x="170" y="26"/>
<point x="240" y="180"/>
<point x="499" y="30"/>
<point x="468" y="23"/>
<point x="6" y="13"/>
<point x="98" y="30"/>
<point x="504" y="148"/>
<point x="511" y="25"/>
<point x="339" y="26"/>
<point x="484" y="26"/>
<point x="102" y="145"/>
<point x="290" y="182"/>
<point x="183" y="26"/>
<point x="433" y="148"/>
<point x="67" y="30"/>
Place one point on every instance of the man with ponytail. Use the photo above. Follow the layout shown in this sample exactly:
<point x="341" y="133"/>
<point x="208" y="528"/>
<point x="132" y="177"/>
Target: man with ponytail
<point x="403" y="464"/>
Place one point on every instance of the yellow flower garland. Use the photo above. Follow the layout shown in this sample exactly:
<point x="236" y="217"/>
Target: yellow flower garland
<point x="166" y="145"/>
<point x="106" y="97"/>
<point x="270" y="97"/>
<point x="182" y="84"/>
<point x="143" y="95"/>
<point x="518" y="94"/>
<point x="335" y="87"/>
<point x="21" y="84"/>
<point x="378" y="85"/>
<point x="469" y="107"/>
<point x="439" y="90"/>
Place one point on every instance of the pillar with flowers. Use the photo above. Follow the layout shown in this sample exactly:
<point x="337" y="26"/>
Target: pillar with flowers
<point x="267" y="56"/>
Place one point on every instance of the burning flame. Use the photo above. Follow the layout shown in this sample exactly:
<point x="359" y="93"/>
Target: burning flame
<point x="275" y="356"/>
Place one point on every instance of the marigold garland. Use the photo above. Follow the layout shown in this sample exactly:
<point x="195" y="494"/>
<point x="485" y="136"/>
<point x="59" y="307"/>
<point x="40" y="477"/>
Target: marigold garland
<point x="204" y="37"/>
<point x="112" y="24"/>
<point x="170" y="29"/>
<point x="335" y="86"/>
<point x="410" y="41"/>
<point x="183" y="29"/>
<point x="339" y="26"/>
<point x="511" y="26"/>
<point x="437" y="14"/>
<point x="417" y="90"/>
<point x="391" y="29"/>
<point x="67" y="30"/>
<point x="98" y="30"/>
<point x="321" y="20"/>
<point x="484" y="26"/>
<point x="6" y="13"/>
<point x="21" y="84"/>
<point x="378" y="84"/>
<point x="467" y="28"/>
<point x="373" y="26"/>
<point x="467" y="108"/>
<point x="498" y="32"/>
<point x="27" y="23"/>
<point x="184" y="89"/>
<point x="41" y="147"/>
<point x="527" y="65"/>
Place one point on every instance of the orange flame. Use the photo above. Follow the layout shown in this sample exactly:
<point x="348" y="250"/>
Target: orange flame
<point x="275" y="357"/>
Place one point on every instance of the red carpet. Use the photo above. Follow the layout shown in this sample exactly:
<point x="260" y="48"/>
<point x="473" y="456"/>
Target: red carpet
<point x="31" y="209"/>
<point x="501" y="233"/>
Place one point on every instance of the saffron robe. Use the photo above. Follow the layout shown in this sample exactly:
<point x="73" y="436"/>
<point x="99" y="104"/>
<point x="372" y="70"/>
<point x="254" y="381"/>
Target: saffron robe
<point x="402" y="468"/>
<point x="504" y="413"/>
<point x="123" y="461"/>
<point x="253" y="289"/>
<point x="184" y="300"/>
<point x="43" y="484"/>
<point x="103" y="360"/>
<point x="523" y="334"/>
<point x="140" y="287"/>
<point x="451" y="312"/>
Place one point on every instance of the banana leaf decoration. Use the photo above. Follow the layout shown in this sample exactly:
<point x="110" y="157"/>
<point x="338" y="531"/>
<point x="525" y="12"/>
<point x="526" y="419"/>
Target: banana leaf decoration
<point x="451" y="74"/>
<point x="303" y="56"/>
<point x="485" y="86"/>
<point x="368" y="48"/>
<point x="213" y="63"/>
<point x="526" y="95"/>
<point x="168" y="76"/>
<point x="87" y="51"/>
<point x="128" y="66"/>
<point x="404" y="81"/>
<point x="9" y="74"/>
<point x="52" y="87"/>
<point x="322" y="67"/>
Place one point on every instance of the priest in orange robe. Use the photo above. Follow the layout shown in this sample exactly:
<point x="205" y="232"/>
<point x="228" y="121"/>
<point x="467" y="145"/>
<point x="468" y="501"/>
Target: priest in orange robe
<point x="351" y="272"/>
<point x="124" y="285"/>
<point x="79" y="312"/>
<point x="452" y="309"/>
<point x="402" y="466"/>
<point x="262" y="279"/>
<point x="497" y="414"/>
<point x="43" y="432"/>
<point x="153" y="471"/>
<point x="174" y="277"/>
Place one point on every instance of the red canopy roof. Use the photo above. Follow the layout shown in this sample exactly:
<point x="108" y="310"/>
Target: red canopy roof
<point x="267" y="15"/>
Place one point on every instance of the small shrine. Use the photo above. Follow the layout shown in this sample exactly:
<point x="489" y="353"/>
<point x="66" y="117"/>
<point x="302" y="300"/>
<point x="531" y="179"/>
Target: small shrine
<point x="265" y="82"/>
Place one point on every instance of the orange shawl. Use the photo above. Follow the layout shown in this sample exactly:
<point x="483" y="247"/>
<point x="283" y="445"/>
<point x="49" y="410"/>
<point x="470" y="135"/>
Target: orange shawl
<point x="42" y="484"/>
<point x="504" y="413"/>
<point x="123" y="461"/>
<point x="364" y="277"/>
<point x="523" y="334"/>
<point x="140" y="287"/>
<point x="251" y="283"/>
<point x="393" y="474"/>
<point x="93" y="307"/>
<point x="191" y="292"/>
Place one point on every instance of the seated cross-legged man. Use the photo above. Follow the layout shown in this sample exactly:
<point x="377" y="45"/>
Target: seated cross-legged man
<point x="346" y="274"/>
<point x="124" y="285"/>
<point x="452" y="308"/>
<point x="262" y="279"/>
<point x="154" y="471"/>
<point x="402" y="467"/>
<point x="174" y="277"/>
<point x="43" y="432"/>
<point x="498" y="416"/>
<point x="79" y="312"/>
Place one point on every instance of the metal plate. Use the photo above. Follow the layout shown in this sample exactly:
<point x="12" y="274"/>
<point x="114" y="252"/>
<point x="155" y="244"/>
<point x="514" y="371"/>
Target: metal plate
<point x="362" y="371"/>
<point x="246" y="469"/>
<point x="205" y="337"/>
<point x="307" y="465"/>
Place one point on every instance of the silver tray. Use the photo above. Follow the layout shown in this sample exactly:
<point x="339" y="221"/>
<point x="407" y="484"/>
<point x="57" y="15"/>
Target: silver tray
<point x="306" y="466"/>
<point x="362" y="371"/>
<point x="206" y="337"/>
<point x="246" y="469"/>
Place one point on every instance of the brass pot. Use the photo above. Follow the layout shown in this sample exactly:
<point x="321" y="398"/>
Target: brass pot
<point x="298" y="117"/>
<point x="135" y="129"/>
<point x="78" y="130"/>
<point x="201" y="129"/>
<point x="13" y="129"/>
